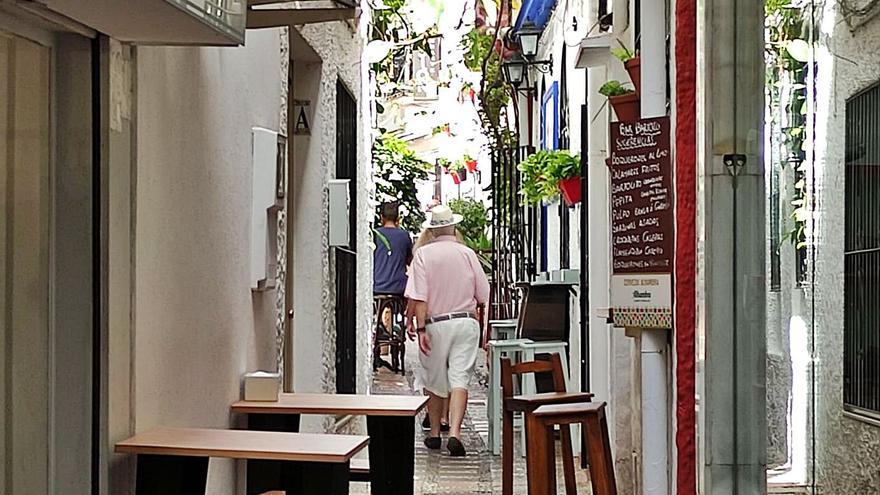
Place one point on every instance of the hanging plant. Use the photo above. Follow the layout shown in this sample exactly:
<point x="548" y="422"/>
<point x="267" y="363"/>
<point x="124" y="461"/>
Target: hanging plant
<point x="544" y="171"/>
<point x="631" y="62"/>
<point x="623" y="100"/>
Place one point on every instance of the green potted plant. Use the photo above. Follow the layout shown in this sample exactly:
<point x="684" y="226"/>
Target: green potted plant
<point x="623" y="100"/>
<point x="548" y="173"/>
<point x="632" y="63"/>
<point x="459" y="169"/>
<point x="444" y="164"/>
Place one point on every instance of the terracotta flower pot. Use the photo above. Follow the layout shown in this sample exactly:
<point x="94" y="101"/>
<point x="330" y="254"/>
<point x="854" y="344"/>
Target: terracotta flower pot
<point x="626" y="107"/>
<point x="571" y="190"/>
<point x="471" y="165"/>
<point x="633" y="68"/>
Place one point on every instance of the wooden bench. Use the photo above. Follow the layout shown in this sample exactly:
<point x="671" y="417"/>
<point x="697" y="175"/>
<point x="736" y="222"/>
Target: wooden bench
<point x="390" y="426"/>
<point x="174" y="461"/>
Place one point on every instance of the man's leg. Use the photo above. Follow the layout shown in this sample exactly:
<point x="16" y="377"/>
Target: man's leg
<point x="457" y="406"/>
<point x="435" y="411"/>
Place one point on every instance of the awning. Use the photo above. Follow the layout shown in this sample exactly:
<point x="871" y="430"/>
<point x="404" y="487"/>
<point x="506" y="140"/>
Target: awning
<point x="275" y="13"/>
<point x="536" y="12"/>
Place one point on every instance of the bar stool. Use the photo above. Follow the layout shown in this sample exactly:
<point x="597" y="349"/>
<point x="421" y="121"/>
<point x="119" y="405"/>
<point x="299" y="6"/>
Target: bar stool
<point x="502" y="329"/>
<point x="498" y="349"/>
<point x="526" y="404"/>
<point x="541" y="462"/>
<point x="528" y="350"/>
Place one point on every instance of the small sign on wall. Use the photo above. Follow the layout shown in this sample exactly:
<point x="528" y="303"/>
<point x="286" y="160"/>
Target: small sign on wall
<point x="642" y="224"/>
<point x="302" y="123"/>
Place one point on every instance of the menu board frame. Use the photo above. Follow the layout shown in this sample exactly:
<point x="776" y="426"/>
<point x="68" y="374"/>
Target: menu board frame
<point x="642" y="223"/>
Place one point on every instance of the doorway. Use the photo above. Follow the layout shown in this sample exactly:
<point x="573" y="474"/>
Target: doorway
<point x="24" y="271"/>
<point x="46" y="269"/>
<point x="346" y="259"/>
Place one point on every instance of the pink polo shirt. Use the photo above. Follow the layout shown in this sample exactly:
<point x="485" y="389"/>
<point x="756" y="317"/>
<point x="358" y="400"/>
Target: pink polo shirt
<point x="447" y="275"/>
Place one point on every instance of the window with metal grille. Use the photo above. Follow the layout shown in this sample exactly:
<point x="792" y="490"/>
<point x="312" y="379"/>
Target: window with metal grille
<point x="861" y="320"/>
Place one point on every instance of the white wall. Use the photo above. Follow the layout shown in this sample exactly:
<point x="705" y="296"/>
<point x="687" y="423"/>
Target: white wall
<point x="847" y="449"/>
<point x="338" y="47"/>
<point x="198" y="326"/>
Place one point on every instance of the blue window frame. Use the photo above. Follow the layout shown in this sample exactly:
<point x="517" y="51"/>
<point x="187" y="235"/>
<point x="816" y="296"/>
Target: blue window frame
<point x="549" y="108"/>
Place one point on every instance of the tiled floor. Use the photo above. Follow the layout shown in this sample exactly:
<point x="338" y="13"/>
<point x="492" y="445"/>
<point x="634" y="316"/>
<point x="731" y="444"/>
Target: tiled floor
<point x="479" y="472"/>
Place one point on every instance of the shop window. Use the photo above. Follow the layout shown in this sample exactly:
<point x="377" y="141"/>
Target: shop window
<point x="861" y="382"/>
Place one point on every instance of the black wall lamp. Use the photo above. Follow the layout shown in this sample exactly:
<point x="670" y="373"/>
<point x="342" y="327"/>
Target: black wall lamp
<point x="516" y="69"/>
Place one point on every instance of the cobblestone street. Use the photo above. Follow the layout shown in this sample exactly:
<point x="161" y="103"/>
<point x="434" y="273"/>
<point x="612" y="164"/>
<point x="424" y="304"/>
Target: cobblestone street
<point x="479" y="472"/>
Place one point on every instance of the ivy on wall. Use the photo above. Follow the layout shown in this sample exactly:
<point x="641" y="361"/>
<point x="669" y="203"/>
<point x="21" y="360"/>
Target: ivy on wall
<point x="787" y="57"/>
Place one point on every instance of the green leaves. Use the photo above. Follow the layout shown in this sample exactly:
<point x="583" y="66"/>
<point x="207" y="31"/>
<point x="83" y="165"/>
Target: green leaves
<point x="614" y="88"/>
<point x="473" y="228"/>
<point x="397" y="170"/>
<point x="543" y="171"/>
<point x="477" y="44"/>
<point x="622" y="53"/>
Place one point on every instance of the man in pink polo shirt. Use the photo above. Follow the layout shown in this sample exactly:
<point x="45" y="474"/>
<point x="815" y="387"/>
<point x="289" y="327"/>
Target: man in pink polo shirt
<point x="447" y="287"/>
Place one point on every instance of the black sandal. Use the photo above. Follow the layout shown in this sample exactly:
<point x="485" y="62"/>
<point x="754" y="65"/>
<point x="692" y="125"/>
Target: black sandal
<point x="455" y="447"/>
<point x="432" y="443"/>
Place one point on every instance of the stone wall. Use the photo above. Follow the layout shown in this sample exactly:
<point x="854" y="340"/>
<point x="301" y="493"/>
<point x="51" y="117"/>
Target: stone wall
<point x="848" y="450"/>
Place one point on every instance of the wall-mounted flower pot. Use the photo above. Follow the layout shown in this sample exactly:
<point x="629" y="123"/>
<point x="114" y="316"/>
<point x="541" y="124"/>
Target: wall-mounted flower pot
<point x="471" y="165"/>
<point x="462" y="174"/>
<point x="626" y="107"/>
<point x="456" y="178"/>
<point x="571" y="190"/>
<point x="633" y="68"/>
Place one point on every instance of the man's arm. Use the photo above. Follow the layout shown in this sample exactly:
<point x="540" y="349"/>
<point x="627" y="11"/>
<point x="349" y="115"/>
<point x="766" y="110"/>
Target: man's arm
<point x="481" y="294"/>
<point x="421" y="314"/>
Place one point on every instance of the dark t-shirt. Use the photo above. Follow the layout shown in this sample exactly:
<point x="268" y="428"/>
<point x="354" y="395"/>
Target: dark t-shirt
<point x="389" y="268"/>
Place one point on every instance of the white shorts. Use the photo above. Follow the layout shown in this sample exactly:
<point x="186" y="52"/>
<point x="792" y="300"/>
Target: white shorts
<point x="454" y="346"/>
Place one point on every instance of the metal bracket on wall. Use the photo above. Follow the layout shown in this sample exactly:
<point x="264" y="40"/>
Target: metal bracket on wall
<point x="735" y="163"/>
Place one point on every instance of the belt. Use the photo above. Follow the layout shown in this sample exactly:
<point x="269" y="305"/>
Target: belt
<point x="450" y="316"/>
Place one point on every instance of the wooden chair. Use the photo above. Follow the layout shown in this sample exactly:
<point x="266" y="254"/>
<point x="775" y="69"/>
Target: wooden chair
<point x="526" y="404"/>
<point x="541" y="456"/>
<point x="394" y="338"/>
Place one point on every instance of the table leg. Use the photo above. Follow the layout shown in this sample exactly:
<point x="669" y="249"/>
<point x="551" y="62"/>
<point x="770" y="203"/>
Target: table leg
<point x="170" y="475"/>
<point x="528" y="388"/>
<point x="264" y="476"/>
<point x="392" y="454"/>
<point x="316" y="478"/>
<point x="495" y="402"/>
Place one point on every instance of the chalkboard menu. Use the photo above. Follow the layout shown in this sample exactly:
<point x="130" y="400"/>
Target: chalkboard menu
<point x="642" y="223"/>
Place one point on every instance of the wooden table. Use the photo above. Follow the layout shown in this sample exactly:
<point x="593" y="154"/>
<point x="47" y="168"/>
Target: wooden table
<point x="390" y="426"/>
<point x="174" y="461"/>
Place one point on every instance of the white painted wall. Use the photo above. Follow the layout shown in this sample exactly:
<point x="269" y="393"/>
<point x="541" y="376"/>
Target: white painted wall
<point x="614" y="370"/>
<point x="338" y="45"/>
<point x="198" y="326"/>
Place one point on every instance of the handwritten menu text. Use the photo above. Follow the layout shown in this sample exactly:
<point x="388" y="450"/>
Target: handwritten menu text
<point x="642" y="228"/>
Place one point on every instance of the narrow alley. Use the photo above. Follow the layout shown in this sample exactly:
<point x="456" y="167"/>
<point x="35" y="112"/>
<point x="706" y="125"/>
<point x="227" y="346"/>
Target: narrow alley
<point x="479" y="472"/>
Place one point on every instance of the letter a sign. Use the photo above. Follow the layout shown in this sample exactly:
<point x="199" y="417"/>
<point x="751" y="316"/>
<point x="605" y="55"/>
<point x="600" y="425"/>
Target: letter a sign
<point x="302" y="117"/>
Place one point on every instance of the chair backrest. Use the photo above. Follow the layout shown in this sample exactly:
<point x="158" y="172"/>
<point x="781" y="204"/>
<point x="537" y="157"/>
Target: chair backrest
<point x="553" y="366"/>
<point x="545" y="313"/>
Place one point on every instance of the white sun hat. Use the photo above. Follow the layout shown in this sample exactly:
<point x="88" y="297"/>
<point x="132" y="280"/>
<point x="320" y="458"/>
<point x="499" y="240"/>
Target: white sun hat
<point x="441" y="216"/>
